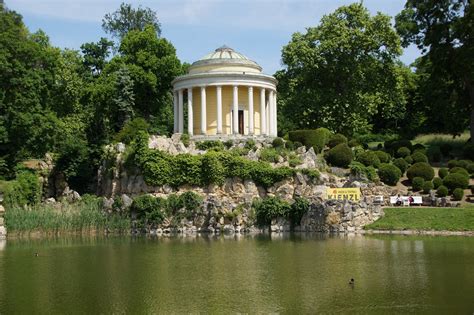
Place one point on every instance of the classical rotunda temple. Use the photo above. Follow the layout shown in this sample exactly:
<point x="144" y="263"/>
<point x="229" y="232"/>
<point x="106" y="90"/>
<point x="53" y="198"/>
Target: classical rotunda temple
<point x="225" y="93"/>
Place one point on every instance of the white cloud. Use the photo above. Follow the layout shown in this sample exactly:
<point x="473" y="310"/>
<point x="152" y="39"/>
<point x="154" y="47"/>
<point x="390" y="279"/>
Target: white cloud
<point x="246" y="14"/>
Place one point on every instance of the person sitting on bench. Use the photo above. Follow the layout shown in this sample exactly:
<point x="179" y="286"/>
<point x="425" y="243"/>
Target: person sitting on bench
<point x="399" y="200"/>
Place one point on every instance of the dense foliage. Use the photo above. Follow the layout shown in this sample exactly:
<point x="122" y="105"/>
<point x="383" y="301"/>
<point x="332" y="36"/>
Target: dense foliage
<point x="342" y="73"/>
<point x="341" y="155"/>
<point x="160" y="168"/>
<point x="389" y="174"/>
<point x="72" y="103"/>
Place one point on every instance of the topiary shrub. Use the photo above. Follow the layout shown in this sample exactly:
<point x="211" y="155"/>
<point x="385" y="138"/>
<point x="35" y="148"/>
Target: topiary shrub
<point x="383" y="156"/>
<point x="297" y="144"/>
<point x="470" y="168"/>
<point x="464" y="163"/>
<point x="442" y="191"/>
<point x="289" y="145"/>
<point x="394" y="145"/>
<point x="456" y="180"/>
<point x="427" y="186"/>
<point x="419" y="157"/>
<point x="442" y="172"/>
<point x="460" y="170"/>
<point x="389" y="174"/>
<point x="270" y="208"/>
<point x="434" y="153"/>
<point x="353" y="143"/>
<point x="437" y="182"/>
<point x="417" y="183"/>
<point x="403" y="152"/>
<point x="453" y="163"/>
<point x="458" y="193"/>
<point x="421" y="169"/>
<point x="401" y="164"/>
<point x="408" y="159"/>
<point x="278" y="143"/>
<point x="368" y="158"/>
<point x="340" y="155"/>
<point x="336" y="139"/>
<point x="311" y="138"/>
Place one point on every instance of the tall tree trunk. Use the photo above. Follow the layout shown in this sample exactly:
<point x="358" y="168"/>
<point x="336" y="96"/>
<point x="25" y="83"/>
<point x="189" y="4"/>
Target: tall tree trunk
<point x="470" y="88"/>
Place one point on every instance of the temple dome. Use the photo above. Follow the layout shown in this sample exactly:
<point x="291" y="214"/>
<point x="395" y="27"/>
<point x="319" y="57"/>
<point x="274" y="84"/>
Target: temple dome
<point x="224" y="59"/>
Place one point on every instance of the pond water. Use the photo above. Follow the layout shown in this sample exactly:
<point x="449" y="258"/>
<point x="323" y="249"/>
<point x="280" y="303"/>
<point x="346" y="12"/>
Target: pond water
<point x="289" y="274"/>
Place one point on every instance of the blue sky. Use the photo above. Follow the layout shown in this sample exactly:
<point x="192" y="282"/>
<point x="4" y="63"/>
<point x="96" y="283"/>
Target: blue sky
<point x="256" y="28"/>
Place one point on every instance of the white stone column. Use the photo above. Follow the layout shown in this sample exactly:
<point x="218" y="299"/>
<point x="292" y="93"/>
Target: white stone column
<point x="180" y="112"/>
<point x="219" y="109"/>
<point x="175" y="111"/>
<point x="251" y="113"/>
<point x="190" y="111"/>
<point x="272" y="121"/>
<point x="203" y="111"/>
<point x="235" y="108"/>
<point x="263" y="112"/>
<point x="275" y="117"/>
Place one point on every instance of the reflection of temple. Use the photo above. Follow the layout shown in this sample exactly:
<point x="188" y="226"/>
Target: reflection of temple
<point x="226" y="93"/>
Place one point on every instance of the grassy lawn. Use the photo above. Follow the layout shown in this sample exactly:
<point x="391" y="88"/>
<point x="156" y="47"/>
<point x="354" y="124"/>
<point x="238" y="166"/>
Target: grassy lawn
<point x="450" y="219"/>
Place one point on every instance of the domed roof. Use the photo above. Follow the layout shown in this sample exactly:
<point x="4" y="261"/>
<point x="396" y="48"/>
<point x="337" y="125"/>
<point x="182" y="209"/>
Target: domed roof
<point x="224" y="55"/>
<point x="224" y="52"/>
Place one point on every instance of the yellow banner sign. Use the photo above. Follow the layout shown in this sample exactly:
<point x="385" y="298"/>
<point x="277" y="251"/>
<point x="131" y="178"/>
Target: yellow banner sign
<point x="343" y="193"/>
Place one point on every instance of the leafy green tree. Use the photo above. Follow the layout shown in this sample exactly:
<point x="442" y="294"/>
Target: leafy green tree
<point x="96" y="54"/>
<point x="342" y="72"/>
<point x="126" y="19"/>
<point x="153" y="64"/>
<point x="124" y="99"/>
<point x="443" y="30"/>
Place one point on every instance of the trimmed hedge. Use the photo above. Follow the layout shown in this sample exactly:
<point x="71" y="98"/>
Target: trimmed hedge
<point x="417" y="183"/>
<point x="458" y="193"/>
<point x="340" y="155"/>
<point x="456" y="180"/>
<point x="408" y="159"/>
<point x="401" y="164"/>
<point x="311" y="138"/>
<point x="459" y="170"/>
<point x="419" y="157"/>
<point x="403" y="152"/>
<point x="336" y="139"/>
<point x="442" y="172"/>
<point x="427" y="186"/>
<point x="369" y="158"/>
<point x="389" y="174"/>
<point x="278" y="142"/>
<point x="421" y="169"/>
<point x="442" y="191"/>
<point x="383" y="156"/>
<point x="394" y="145"/>
<point x="437" y="182"/>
